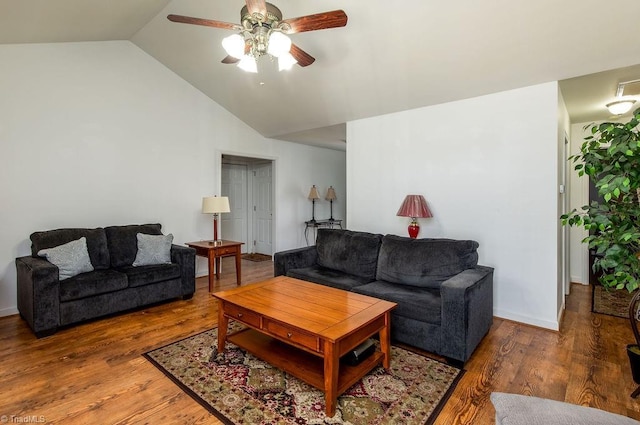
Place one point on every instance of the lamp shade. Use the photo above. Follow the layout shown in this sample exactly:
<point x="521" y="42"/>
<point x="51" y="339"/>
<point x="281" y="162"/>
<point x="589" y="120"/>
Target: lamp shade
<point x="286" y="61"/>
<point x="279" y="44"/>
<point x="313" y="193"/>
<point x="248" y="63"/>
<point x="215" y="205"/>
<point x="414" y="206"/>
<point x="331" y="194"/>
<point x="234" y="45"/>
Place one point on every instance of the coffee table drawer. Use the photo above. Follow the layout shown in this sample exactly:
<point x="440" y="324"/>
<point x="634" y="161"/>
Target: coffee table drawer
<point x="293" y="335"/>
<point x="243" y="315"/>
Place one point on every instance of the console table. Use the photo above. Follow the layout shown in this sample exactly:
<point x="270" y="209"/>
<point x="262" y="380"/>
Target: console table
<point x="315" y="224"/>
<point x="214" y="251"/>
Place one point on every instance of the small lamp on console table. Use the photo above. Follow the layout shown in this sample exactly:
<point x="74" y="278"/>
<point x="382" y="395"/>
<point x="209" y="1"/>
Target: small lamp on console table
<point x="313" y="195"/>
<point x="215" y="205"/>
<point x="331" y="196"/>
<point x="414" y="206"/>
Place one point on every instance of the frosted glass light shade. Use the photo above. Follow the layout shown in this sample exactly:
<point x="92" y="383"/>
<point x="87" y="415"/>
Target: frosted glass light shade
<point x="234" y="45"/>
<point x="279" y="44"/>
<point x="286" y="61"/>
<point x="620" y="107"/>
<point x="248" y="63"/>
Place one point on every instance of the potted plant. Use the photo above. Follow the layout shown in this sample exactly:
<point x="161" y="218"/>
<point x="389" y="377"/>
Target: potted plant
<point x="610" y="157"/>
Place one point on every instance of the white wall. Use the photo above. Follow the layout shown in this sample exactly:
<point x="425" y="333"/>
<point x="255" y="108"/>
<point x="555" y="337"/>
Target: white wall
<point x="488" y="168"/>
<point x="563" y="138"/>
<point x="97" y="134"/>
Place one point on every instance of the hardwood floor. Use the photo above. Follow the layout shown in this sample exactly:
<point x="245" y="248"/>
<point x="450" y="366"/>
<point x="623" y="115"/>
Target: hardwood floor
<point x="94" y="372"/>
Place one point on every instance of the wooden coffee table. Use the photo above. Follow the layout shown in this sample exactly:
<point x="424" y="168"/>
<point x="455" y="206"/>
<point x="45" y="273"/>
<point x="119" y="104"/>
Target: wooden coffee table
<point x="304" y="328"/>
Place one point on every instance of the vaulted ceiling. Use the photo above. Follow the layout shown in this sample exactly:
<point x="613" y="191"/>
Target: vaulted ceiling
<point x="391" y="56"/>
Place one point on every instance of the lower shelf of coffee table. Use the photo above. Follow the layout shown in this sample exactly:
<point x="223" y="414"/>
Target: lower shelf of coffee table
<point x="301" y="364"/>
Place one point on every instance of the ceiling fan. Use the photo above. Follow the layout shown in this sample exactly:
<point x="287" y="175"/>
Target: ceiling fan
<point x="263" y="31"/>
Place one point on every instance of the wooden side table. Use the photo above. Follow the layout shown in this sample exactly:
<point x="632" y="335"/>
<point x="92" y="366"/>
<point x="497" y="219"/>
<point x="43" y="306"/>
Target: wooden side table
<point x="214" y="251"/>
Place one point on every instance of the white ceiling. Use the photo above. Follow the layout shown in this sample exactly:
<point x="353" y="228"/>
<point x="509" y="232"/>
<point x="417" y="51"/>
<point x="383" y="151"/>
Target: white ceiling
<point x="387" y="59"/>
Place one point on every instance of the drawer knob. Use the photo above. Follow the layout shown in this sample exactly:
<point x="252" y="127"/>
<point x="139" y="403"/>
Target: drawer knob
<point x="239" y="314"/>
<point x="289" y="334"/>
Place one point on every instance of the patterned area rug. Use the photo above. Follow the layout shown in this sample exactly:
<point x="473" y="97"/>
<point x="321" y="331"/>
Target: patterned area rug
<point x="612" y="302"/>
<point x="240" y="389"/>
<point x="256" y="257"/>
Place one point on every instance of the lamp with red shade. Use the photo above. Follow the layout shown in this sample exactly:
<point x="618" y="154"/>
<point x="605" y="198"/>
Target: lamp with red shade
<point x="414" y="206"/>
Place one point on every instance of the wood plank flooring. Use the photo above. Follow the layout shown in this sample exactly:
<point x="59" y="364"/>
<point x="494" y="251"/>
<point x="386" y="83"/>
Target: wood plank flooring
<point x="94" y="372"/>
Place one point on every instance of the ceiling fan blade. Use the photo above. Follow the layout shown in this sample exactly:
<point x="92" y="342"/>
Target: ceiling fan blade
<point x="303" y="58"/>
<point x="257" y="6"/>
<point x="320" y="21"/>
<point x="203" y="22"/>
<point x="230" y="59"/>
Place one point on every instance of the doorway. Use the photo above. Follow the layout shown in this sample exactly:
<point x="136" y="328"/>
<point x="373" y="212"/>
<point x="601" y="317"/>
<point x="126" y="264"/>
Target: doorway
<point x="248" y="182"/>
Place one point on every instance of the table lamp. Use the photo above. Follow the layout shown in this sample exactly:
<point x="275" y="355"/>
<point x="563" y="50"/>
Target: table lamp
<point x="313" y="195"/>
<point x="331" y="196"/>
<point x="215" y="205"/>
<point x="414" y="206"/>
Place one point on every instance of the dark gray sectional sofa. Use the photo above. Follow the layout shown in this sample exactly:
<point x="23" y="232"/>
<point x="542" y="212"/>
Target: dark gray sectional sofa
<point x="115" y="284"/>
<point x="445" y="299"/>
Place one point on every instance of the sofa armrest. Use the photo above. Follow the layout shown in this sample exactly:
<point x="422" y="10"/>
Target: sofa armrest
<point x="294" y="259"/>
<point x="467" y="311"/>
<point x="38" y="294"/>
<point x="185" y="257"/>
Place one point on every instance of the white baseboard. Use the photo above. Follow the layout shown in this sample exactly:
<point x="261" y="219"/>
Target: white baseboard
<point x="10" y="311"/>
<point x="546" y="324"/>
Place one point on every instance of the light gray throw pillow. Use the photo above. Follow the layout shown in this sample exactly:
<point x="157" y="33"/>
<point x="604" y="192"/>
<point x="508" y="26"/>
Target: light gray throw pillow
<point x="514" y="409"/>
<point x="71" y="258"/>
<point x="153" y="249"/>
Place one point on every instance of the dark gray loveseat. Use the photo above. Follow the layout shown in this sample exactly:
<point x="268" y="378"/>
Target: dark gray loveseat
<point x="445" y="299"/>
<point x="114" y="285"/>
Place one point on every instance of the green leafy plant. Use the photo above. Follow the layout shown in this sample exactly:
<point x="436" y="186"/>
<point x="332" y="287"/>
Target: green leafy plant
<point x="610" y="157"/>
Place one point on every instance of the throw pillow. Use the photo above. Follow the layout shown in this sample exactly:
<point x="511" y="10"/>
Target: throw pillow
<point x="71" y="258"/>
<point x="153" y="249"/>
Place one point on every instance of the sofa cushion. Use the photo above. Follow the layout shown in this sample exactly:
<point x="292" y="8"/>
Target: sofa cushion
<point x="123" y="244"/>
<point x="355" y="253"/>
<point x="71" y="258"/>
<point x="424" y="262"/>
<point x="422" y="304"/>
<point x="153" y="249"/>
<point x="144" y="275"/>
<point x="514" y="409"/>
<point x="93" y="283"/>
<point x="328" y="277"/>
<point x="96" y="243"/>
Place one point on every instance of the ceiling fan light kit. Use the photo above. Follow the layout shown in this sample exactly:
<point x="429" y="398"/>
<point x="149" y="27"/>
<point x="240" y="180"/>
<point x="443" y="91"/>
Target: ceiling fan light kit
<point x="263" y="31"/>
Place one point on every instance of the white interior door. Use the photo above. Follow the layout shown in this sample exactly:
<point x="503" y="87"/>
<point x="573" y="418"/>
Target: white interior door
<point x="234" y="185"/>
<point x="262" y="208"/>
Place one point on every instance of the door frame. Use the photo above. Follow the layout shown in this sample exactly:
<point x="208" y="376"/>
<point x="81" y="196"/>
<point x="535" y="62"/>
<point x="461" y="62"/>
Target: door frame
<point x="250" y="219"/>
